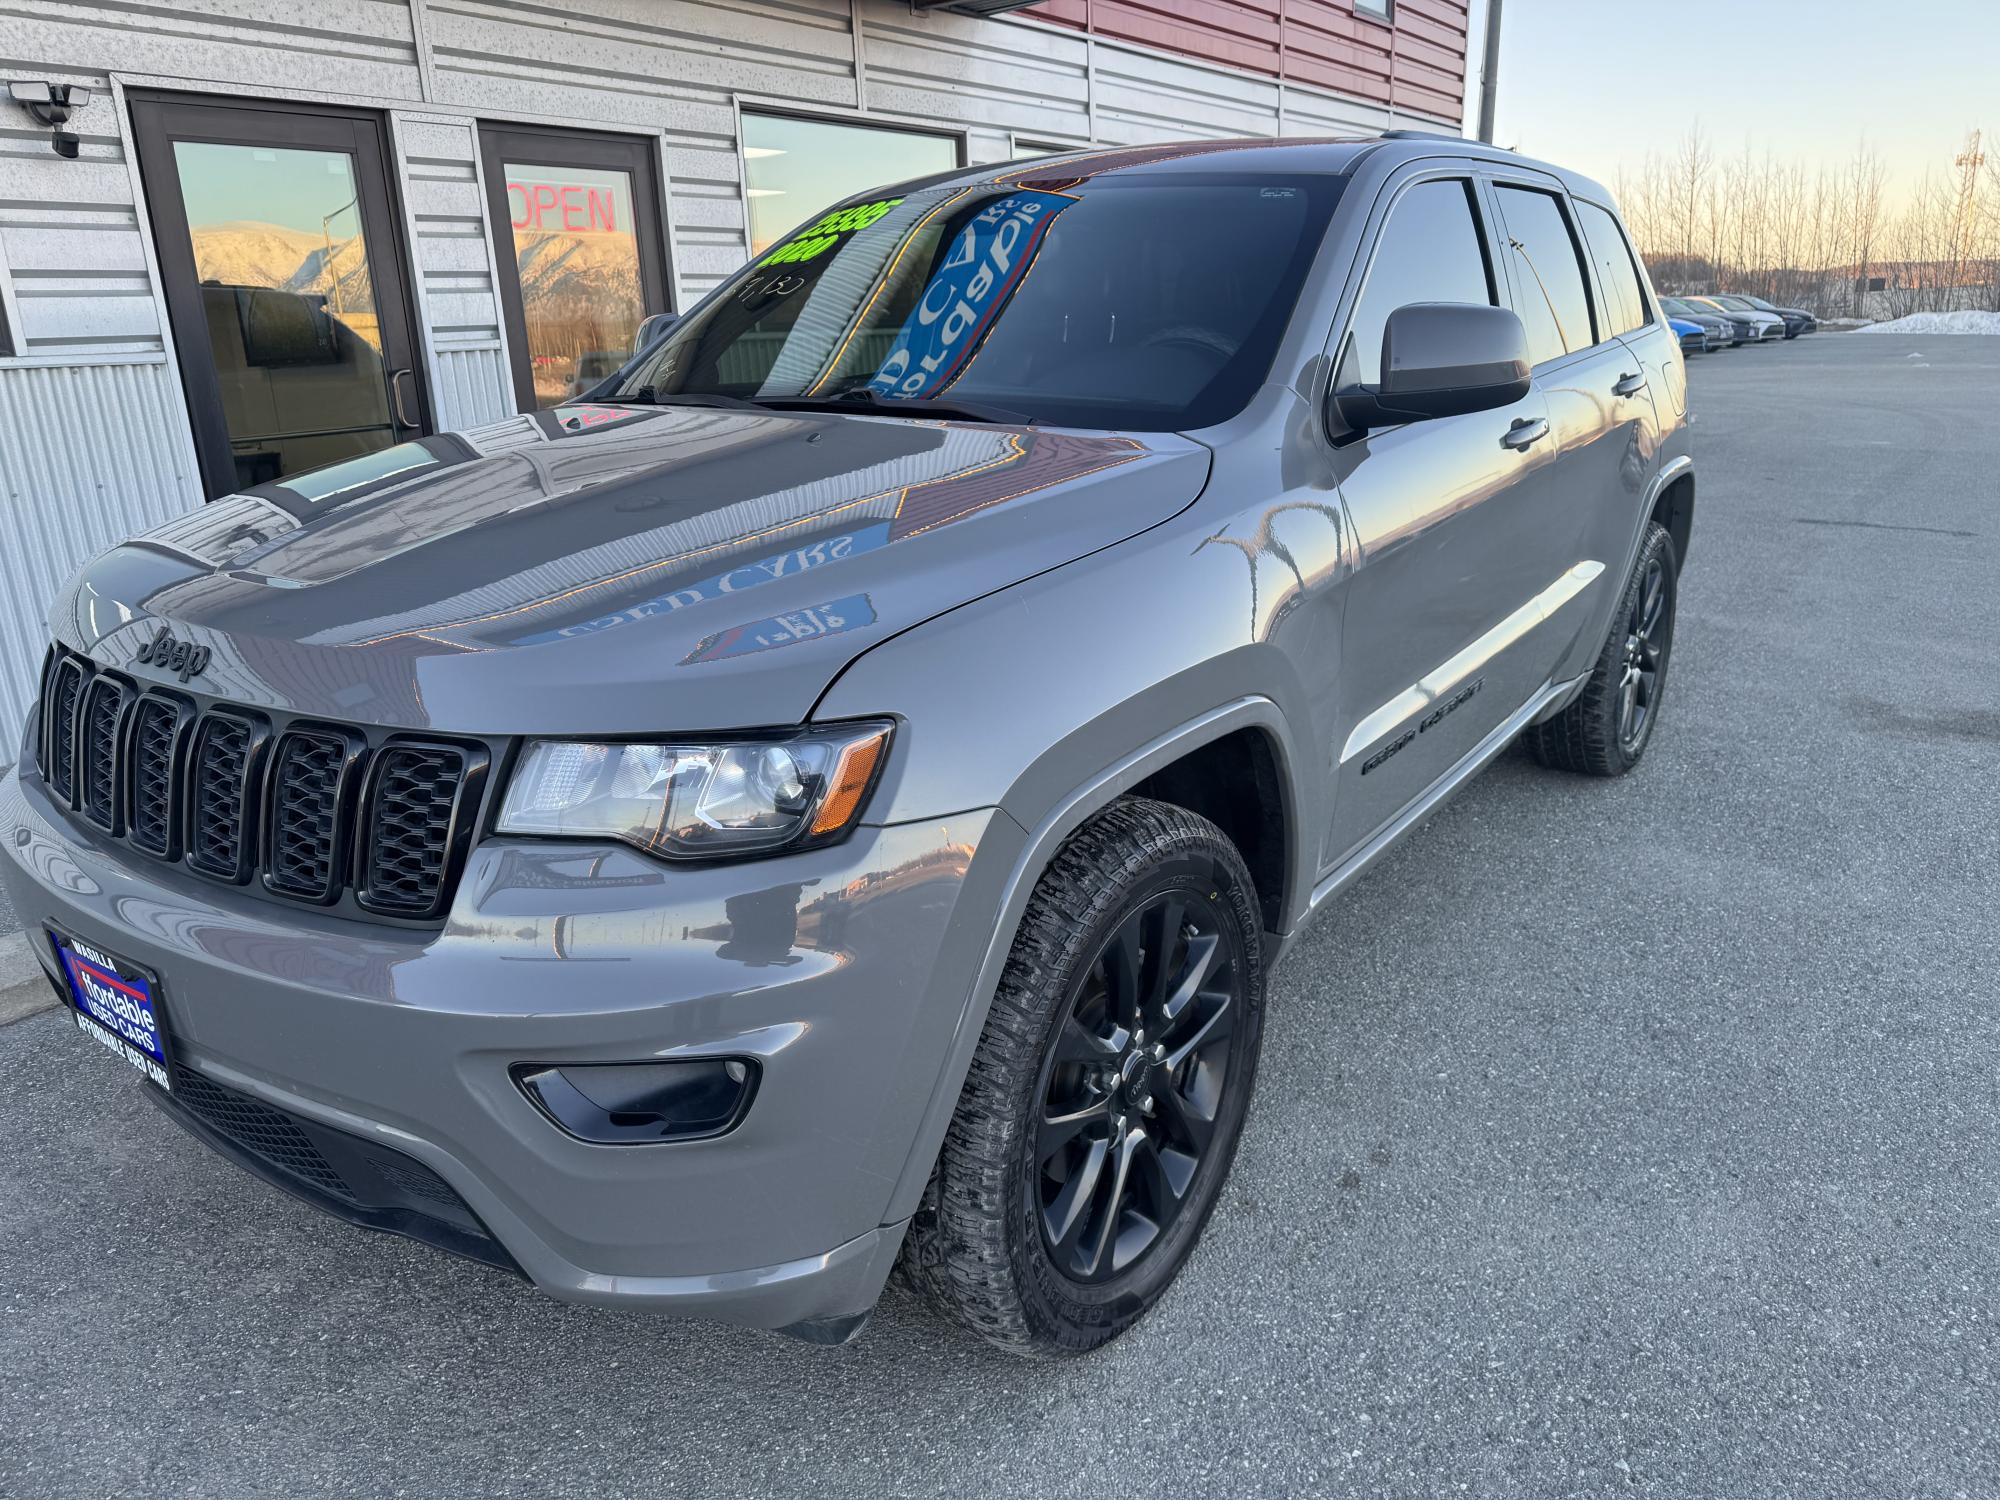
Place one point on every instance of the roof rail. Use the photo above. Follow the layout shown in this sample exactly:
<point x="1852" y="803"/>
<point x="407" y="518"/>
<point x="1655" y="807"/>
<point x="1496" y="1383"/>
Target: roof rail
<point x="1428" y="135"/>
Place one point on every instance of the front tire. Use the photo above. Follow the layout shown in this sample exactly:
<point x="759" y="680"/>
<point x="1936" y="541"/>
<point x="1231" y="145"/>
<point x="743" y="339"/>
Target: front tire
<point x="1606" y="729"/>
<point x="1104" y="1104"/>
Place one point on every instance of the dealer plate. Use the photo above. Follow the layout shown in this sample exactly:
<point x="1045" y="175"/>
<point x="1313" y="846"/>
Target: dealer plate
<point x="116" y="1003"/>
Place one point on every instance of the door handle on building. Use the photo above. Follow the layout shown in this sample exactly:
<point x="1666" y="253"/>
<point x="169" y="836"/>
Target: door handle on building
<point x="399" y="400"/>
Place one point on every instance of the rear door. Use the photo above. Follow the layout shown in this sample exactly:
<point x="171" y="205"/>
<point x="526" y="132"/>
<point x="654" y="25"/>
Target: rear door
<point x="1636" y="323"/>
<point x="1454" y="520"/>
<point x="1600" y="402"/>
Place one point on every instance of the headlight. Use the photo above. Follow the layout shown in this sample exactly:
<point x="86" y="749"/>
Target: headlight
<point x="695" y="799"/>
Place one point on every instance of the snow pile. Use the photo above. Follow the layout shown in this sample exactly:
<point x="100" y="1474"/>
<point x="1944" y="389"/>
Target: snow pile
<point x="1963" y="321"/>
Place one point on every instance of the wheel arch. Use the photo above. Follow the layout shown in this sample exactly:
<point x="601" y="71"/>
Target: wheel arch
<point x="1673" y="508"/>
<point x="1252" y="726"/>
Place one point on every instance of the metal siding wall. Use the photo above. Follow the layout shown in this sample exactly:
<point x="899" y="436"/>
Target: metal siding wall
<point x="665" y="68"/>
<point x="1143" y="97"/>
<point x="454" y="269"/>
<point x="88" y="454"/>
<point x="1415" y="66"/>
<point x="1027" y="80"/>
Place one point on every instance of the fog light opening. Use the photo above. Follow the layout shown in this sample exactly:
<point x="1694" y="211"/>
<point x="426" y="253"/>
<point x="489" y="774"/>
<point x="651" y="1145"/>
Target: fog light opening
<point x="624" y="1104"/>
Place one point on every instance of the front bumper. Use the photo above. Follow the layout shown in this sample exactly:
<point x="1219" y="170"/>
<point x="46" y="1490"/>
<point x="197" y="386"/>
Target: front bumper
<point x="843" y="971"/>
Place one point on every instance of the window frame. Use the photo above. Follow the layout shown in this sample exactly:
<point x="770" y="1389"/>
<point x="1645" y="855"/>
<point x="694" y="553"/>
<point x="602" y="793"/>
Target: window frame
<point x="1378" y="220"/>
<point x="1652" y="314"/>
<point x="566" y="147"/>
<point x="1366" y="10"/>
<point x="9" y="312"/>
<point x="1551" y="187"/>
<point x="860" y="119"/>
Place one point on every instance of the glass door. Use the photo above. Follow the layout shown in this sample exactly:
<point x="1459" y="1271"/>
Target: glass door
<point x="581" y="213"/>
<point x="283" y="277"/>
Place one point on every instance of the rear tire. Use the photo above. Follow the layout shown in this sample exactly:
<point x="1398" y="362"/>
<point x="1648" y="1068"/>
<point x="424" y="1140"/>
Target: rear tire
<point x="1606" y="729"/>
<point x="1104" y="1104"/>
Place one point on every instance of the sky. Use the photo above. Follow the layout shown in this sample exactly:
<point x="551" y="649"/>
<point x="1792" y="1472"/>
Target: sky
<point x="1596" y="84"/>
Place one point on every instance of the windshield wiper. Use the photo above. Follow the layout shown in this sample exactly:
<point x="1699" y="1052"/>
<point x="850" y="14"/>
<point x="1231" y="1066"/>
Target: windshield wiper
<point x="867" y="399"/>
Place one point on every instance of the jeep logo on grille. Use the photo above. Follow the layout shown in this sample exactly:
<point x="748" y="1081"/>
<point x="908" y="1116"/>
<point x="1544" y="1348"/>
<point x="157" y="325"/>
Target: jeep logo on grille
<point x="184" y="658"/>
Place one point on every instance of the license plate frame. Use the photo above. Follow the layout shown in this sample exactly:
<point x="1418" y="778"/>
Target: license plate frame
<point x="111" y="1000"/>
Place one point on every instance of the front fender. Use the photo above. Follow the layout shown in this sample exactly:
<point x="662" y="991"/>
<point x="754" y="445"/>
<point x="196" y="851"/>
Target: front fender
<point x="1026" y="700"/>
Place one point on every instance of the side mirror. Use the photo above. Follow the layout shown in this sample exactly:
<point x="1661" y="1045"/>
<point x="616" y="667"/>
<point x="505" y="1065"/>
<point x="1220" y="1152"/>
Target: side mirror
<point x="1440" y="359"/>
<point x="650" y="329"/>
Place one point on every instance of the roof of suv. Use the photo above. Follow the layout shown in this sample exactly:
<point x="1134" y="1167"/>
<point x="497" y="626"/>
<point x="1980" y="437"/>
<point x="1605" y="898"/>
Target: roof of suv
<point x="1329" y="155"/>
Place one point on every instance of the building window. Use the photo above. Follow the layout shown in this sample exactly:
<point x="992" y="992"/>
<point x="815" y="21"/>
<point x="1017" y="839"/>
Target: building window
<point x="1380" y="10"/>
<point x="793" y="167"/>
<point x="582" y="213"/>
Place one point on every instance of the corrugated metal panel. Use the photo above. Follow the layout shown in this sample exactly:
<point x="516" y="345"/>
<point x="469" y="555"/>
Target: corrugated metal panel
<point x="73" y="240"/>
<point x="1415" y="65"/>
<point x="1144" y="97"/>
<point x="1024" y="79"/>
<point x="453" y="254"/>
<point x="360" y="47"/>
<point x="472" y="386"/>
<point x="89" y="454"/>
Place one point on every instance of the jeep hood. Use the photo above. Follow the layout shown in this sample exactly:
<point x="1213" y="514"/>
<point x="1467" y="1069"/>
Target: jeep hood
<point x="612" y="569"/>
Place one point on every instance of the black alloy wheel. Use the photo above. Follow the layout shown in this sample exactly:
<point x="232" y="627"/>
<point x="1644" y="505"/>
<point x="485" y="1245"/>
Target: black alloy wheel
<point x="1605" y="728"/>
<point x="1108" y="1091"/>
<point x="1132" y="1089"/>
<point x="1648" y="635"/>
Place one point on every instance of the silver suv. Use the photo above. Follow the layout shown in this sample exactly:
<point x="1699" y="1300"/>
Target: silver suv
<point x="830" y="797"/>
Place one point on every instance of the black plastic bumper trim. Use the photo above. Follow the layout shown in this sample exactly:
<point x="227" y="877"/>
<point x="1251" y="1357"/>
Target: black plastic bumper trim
<point x="409" y="1223"/>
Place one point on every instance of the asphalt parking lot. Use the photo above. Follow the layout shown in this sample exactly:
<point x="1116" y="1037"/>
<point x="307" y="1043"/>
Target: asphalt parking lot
<point x="1610" y="1137"/>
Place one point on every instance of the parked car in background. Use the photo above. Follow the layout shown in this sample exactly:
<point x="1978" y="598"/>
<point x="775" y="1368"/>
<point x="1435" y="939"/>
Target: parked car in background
<point x="836" y="795"/>
<point x="1764" y="327"/>
<point x="1694" y="338"/>
<point x="1797" y="319"/>
<point x="1728" y="331"/>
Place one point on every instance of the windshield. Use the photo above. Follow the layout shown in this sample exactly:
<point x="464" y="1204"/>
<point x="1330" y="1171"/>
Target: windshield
<point x="1151" y="304"/>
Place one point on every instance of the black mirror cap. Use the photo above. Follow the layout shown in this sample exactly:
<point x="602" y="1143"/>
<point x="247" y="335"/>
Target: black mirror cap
<point x="1442" y="359"/>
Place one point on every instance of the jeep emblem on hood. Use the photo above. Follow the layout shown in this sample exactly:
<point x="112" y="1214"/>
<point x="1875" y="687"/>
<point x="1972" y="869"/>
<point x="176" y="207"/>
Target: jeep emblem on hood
<point x="181" y="657"/>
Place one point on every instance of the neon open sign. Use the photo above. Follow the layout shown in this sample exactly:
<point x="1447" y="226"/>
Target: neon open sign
<point x="549" y="205"/>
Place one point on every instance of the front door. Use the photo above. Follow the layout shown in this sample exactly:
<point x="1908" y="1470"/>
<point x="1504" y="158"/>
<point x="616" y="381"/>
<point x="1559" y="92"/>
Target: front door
<point x="1453" y="518"/>
<point x="283" y="277"/>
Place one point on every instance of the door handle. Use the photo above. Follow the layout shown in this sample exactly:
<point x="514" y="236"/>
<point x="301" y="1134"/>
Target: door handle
<point x="1525" y="433"/>
<point x="397" y="397"/>
<point x="1629" y="385"/>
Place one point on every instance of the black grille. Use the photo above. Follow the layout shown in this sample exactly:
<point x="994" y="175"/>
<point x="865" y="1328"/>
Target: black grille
<point x="98" y="741"/>
<point x="219" y="802"/>
<point x="187" y="779"/>
<point x="410" y="827"/>
<point x="306" y="779"/>
<point x="266" y="1133"/>
<point x="149" y="795"/>
<point x="65" y="690"/>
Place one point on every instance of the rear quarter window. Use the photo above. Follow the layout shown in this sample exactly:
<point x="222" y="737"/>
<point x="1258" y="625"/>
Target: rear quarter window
<point x="1617" y="273"/>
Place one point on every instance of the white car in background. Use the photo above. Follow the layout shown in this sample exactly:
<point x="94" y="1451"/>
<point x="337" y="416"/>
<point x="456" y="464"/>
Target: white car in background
<point x="1766" y="326"/>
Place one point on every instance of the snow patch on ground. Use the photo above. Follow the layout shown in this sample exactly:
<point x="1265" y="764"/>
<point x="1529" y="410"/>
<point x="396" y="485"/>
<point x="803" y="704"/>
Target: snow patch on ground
<point x="1963" y="321"/>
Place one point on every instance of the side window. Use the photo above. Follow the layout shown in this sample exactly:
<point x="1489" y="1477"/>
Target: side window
<point x="1617" y="272"/>
<point x="1548" y="278"/>
<point x="1428" y="251"/>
